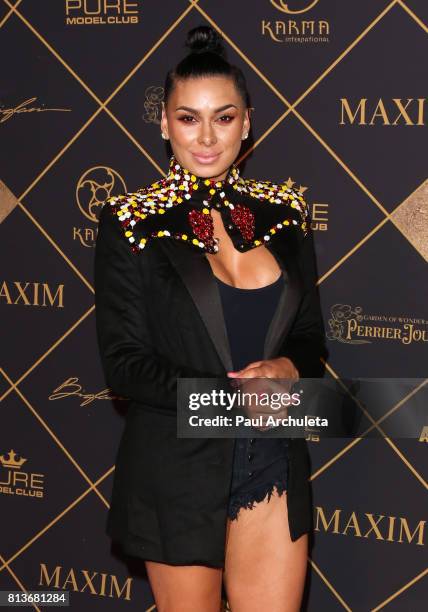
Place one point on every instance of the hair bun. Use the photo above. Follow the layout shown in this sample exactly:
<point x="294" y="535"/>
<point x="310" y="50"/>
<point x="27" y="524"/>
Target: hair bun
<point x="203" y="39"/>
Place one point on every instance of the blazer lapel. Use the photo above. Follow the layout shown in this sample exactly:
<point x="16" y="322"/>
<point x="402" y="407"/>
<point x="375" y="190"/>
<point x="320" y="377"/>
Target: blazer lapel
<point x="196" y="273"/>
<point x="289" y="299"/>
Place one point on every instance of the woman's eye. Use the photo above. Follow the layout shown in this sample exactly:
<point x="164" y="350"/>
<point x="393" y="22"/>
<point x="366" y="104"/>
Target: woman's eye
<point x="222" y="119"/>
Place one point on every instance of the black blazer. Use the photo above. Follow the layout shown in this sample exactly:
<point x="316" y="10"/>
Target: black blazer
<point x="159" y="317"/>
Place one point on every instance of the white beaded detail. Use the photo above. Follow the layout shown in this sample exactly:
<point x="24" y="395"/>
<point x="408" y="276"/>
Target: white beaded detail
<point x="177" y="187"/>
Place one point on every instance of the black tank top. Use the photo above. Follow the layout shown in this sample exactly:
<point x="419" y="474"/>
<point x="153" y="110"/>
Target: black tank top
<point x="247" y="314"/>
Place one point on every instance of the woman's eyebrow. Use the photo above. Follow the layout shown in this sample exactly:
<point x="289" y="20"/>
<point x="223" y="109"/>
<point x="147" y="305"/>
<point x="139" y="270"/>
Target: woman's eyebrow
<point x="194" y="110"/>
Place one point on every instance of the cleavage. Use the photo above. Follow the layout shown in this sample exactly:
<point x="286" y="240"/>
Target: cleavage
<point x="250" y="270"/>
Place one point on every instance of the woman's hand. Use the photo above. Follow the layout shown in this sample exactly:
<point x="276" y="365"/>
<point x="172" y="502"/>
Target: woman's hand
<point x="279" y="367"/>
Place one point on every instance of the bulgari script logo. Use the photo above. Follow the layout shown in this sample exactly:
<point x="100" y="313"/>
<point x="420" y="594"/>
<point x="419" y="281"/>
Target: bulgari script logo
<point x="351" y="325"/>
<point x="27" y="107"/>
<point x="72" y="388"/>
<point x="368" y="525"/>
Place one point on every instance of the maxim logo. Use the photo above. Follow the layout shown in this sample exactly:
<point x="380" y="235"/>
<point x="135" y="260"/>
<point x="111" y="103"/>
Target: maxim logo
<point x="16" y="481"/>
<point x="83" y="581"/>
<point x="93" y="188"/>
<point x="351" y="326"/>
<point x="32" y="294"/>
<point x="396" y="111"/>
<point x="368" y="525"/>
<point x="101" y="12"/>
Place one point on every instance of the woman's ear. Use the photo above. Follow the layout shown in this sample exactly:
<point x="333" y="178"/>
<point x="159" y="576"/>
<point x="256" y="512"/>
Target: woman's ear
<point x="246" y="123"/>
<point x="164" y="122"/>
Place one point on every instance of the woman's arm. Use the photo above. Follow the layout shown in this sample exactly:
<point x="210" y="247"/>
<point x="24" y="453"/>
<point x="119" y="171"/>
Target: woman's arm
<point x="131" y="365"/>
<point x="305" y="343"/>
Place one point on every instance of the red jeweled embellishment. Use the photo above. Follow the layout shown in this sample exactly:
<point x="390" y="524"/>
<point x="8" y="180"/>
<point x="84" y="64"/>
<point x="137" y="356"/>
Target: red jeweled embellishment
<point x="243" y="218"/>
<point x="202" y="226"/>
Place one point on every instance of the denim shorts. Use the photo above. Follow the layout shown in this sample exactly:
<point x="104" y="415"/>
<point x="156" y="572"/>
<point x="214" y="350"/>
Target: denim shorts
<point x="259" y="466"/>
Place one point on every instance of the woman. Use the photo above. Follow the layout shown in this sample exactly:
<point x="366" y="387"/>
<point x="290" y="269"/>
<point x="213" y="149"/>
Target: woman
<point x="206" y="274"/>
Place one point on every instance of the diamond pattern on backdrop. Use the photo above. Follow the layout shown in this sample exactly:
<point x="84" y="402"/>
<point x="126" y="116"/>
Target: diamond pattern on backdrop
<point x="48" y="473"/>
<point x="335" y="200"/>
<point x="71" y="393"/>
<point x="75" y="188"/>
<point x="41" y="301"/>
<point x="382" y="144"/>
<point x="418" y="9"/>
<point x="336" y="527"/>
<point x="50" y="104"/>
<point x="4" y="14"/>
<point x="411" y="217"/>
<point x="261" y="40"/>
<point x="137" y="105"/>
<point x="80" y="532"/>
<point x="360" y="275"/>
<point x="109" y="62"/>
<point x="315" y="154"/>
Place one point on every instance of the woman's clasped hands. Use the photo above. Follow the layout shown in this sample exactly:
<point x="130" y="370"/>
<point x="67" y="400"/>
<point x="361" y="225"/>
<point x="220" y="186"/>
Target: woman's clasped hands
<point x="259" y="380"/>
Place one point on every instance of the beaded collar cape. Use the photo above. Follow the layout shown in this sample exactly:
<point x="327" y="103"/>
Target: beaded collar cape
<point x="178" y="206"/>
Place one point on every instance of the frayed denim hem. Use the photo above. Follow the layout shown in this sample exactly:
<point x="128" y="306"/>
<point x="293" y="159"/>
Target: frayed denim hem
<point x="255" y="496"/>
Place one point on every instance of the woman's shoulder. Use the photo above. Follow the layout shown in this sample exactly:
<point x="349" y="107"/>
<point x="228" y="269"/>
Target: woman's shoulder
<point x="150" y="194"/>
<point x="154" y="210"/>
<point x="156" y="195"/>
<point x="120" y="213"/>
<point x="129" y="208"/>
<point x="275" y="191"/>
<point x="285" y="193"/>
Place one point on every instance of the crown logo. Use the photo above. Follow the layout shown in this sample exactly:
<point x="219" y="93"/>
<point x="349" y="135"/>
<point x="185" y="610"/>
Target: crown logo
<point x="9" y="461"/>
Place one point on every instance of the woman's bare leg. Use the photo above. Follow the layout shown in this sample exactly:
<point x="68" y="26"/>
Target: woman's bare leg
<point x="264" y="569"/>
<point x="185" y="588"/>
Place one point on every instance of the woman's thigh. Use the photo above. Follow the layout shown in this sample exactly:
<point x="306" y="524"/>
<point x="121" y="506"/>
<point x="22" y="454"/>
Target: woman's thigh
<point x="264" y="569"/>
<point x="185" y="588"/>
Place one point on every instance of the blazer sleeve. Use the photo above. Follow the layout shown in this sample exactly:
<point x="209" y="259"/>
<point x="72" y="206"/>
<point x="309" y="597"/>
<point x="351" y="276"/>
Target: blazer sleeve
<point x="131" y="364"/>
<point x="305" y="343"/>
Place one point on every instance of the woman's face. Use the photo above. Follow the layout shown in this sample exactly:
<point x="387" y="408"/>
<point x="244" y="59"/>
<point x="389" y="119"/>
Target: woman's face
<point x="205" y="120"/>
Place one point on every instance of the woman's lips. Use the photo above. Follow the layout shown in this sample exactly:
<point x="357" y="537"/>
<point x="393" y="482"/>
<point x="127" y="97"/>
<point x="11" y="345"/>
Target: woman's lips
<point x="205" y="159"/>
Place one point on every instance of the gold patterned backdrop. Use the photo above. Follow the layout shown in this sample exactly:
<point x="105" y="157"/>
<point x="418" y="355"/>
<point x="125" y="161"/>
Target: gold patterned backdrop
<point x="339" y="95"/>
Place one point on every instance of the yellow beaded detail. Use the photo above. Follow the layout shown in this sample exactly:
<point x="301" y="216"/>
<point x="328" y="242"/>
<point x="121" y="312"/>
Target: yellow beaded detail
<point x="132" y="207"/>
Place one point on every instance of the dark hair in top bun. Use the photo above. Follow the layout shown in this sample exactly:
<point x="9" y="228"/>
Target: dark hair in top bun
<point x="204" y="39"/>
<point x="206" y="57"/>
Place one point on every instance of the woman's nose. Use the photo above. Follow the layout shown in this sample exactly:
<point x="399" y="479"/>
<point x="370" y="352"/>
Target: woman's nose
<point x="207" y="134"/>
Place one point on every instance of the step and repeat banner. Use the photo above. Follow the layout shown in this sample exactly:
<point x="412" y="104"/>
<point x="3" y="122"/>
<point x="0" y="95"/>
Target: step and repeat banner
<point x="340" y="109"/>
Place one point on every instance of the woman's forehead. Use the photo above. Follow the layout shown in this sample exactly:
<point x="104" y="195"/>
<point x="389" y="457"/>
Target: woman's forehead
<point x="212" y="91"/>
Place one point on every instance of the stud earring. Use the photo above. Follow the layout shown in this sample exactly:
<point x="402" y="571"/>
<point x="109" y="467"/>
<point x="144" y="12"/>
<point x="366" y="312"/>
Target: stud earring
<point x="245" y="136"/>
<point x="163" y="136"/>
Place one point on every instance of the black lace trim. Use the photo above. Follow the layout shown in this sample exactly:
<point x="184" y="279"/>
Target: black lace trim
<point x="257" y="495"/>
